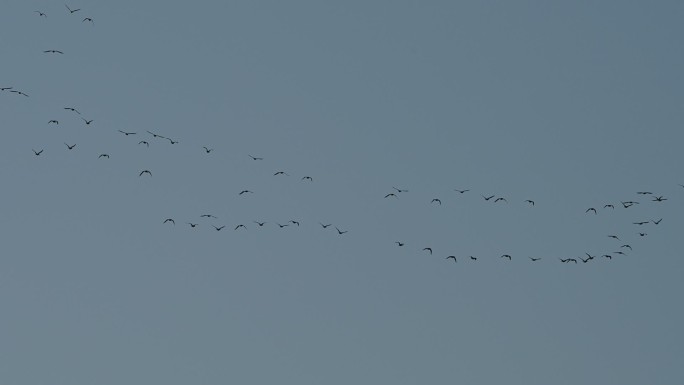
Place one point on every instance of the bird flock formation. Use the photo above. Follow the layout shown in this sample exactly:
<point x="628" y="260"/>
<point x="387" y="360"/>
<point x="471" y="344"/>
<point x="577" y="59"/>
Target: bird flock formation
<point x="624" y="243"/>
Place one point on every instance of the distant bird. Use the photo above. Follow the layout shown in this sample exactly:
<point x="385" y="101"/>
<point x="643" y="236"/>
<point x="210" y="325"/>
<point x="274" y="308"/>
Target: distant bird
<point x="399" y="243"/>
<point x="207" y="150"/>
<point x="609" y="206"/>
<point x="428" y="249"/>
<point x="644" y="192"/>
<point x="88" y="19"/>
<point x="155" y="135"/>
<point x="659" y="199"/>
<point x="530" y="201"/>
<point x="627" y="246"/>
<point x="281" y="173"/>
<point x="53" y="121"/>
<point x="607" y="256"/>
<point x="473" y="258"/>
<point x="145" y="172"/>
<point x="487" y="198"/>
<point x="255" y="158"/>
<point x="170" y="220"/>
<point x="72" y="10"/>
<point x="461" y="191"/>
<point x="399" y="190"/>
<point x="452" y="257"/>
<point x="72" y="109"/>
<point x="172" y="141"/>
<point x="127" y="133"/>
<point x="618" y="252"/>
<point x="640" y="223"/>
<point x="87" y="122"/>
<point x="53" y="51"/>
<point x="436" y="200"/>
<point x="340" y="232"/>
<point x="18" y="93"/>
<point x="245" y="192"/>
<point x="391" y="195"/>
<point x="534" y="259"/>
<point x="500" y="199"/>
<point x="40" y="13"/>
<point x="70" y="147"/>
<point x="238" y="226"/>
<point x="614" y="237"/>
<point x="324" y="226"/>
<point x="218" y="228"/>
<point x="281" y="226"/>
<point x="208" y="216"/>
<point x="642" y="234"/>
<point x="103" y="156"/>
<point x="657" y="222"/>
<point x="310" y="179"/>
<point x="629" y="204"/>
<point x="37" y="152"/>
<point x="294" y="222"/>
<point x="144" y="142"/>
<point x="506" y="256"/>
<point x="572" y="260"/>
<point x="260" y="223"/>
<point x="585" y="260"/>
<point x="591" y="209"/>
<point x="192" y="224"/>
<point x="589" y="256"/>
<point x="5" y="88"/>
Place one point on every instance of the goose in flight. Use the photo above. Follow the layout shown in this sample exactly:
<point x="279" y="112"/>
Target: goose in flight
<point x="534" y="259"/>
<point x="281" y="226"/>
<point x="452" y="257"/>
<point x="310" y="179"/>
<point x="88" y="19"/>
<point x="281" y="173"/>
<point x="53" y="51"/>
<point x="208" y="216"/>
<point x="127" y="133"/>
<point x="500" y="199"/>
<point x="530" y="201"/>
<point x="642" y="234"/>
<point x="590" y="209"/>
<point x="155" y="135"/>
<point x="461" y="191"/>
<point x="487" y="198"/>
<point x="238" y="226"/>
<point x="192" y="224"/>
<point x="72" y="10"/>
<point x="245" y="192"/>
<point x="37" y="152"/>
<point x="473" y="258"/>
<point x="627" y="246"/>
<point x="585" y="260"/>
<point x="506" y="256"/>
<point x="428" y="249"/>
<point x="53" y="121"/>
<point x="340" y="232"/>
<point x="609" y="206"/>
<point x="260" y="223"/>
<point x="144" y="142"/>
<point x="103" y="156"/>
<point x="391" y="195"/>
<point x="40" y="13"/>
<point x="618" y="252"/>
<point x="659" y="199"/>
<point x="218" y="228"/>
<point x="207" y="150"/>
<point x="70" y="147"/>
<point x="87" y="122"/>
<point x="255" y="157"/>
<point x="294" y="222"/>
<point x="72" y="109"/>
<point x="324" y="226"/>
<point x="436" y="200"/>
<point x="18" y="93"/>
<point x="644" y="192"/>
<point x="629" y="204"/>
<point x="170" y="220"/>
<point x="399" y="190"/>
<point x="607" y="256"/>
<point x="399" y="243"/>
<point x="657" y="222"/>
<point x="172" y="141"/>
<point x="640" y="223"/>
<point x="5" y="88"/>
<point x="614" y="237"/>
<point x="145" y="172"/>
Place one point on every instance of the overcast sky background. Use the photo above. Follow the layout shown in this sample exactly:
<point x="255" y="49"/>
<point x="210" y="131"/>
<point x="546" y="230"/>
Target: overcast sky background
<point x="571" y="104"/>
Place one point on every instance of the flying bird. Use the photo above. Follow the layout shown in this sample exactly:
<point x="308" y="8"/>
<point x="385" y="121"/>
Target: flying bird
<point x="609" y="206"/>
<point x="72" y="109"/>
<point x="618" y="252"/>
<point x="144" y="142"/>
<point x="644" y="192"/>
<point x="461" y="191"/>
<point x="627" y="246"/>
<point x="294" y="222"/>
<point x="614" y="237"/>
<point x="500" y="199"/>
<point x="172" y="141"/>
<point x="53" y="121"/>
<point x="310" y="179"/>
<point x="72" y="10"/>
<point x="40" y="13"/>
<point x="70" y="147"/>
<point x="245" y="192"/>
<point x="530" y="201"/>
<point x="155" y="135"/>
<point x="324" y="226"/>
<point x="5" y="88"/>
<point x="170" y="220"/>
<point x="399" y="243"/>
<point x="260" y="223"/>
<point x="281" y="173"/>
<point x="208" y="216"/>
<point x="127" y="133"/>
<point x="436" y="200"/>
<point x="399" y="190"/>
<point x="428" y="249"/>
<point x="255" y="158"/>
<point x="218" y="228"/>
<point x="659" y="199"/>
<point x="88" y="19"/>
<point x="452" y="257"/>
<point x="281" y="226"/>
<point x="103" y="156"/>
<point x="340" y="232"/>
<point x="238" y="226"/>
<point x="506" y="256"/>
<point x="607" y="256"/>
<point x="642" y="234"/>
<point x="473" y="258"/>
<point x="192" y="224"/>
<point x="53" y="51"/>
<point x="207" y="150"/>
<point x="640" y="223"/>
<point x="591" y="209"/>
<point x="145" y="172"/>
<point x="487" y="198"/>
<point x="585" y="260"/>
<point x="657" y="222"/>
<point x="391" y="195"/>
<point x="37" y="152"/>
<point x="87" y="122"/>
<point x="534" y="259"/>
<point x="18" y="93"/>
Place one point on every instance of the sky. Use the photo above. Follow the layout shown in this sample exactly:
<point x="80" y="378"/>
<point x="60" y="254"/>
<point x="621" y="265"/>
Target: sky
<point x="573" y="105"/>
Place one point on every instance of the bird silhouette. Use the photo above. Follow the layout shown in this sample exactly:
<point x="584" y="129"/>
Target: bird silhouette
<point x="37" y="153"/>
<point x="88" y="19"/>
<point x="5" y="88"/>
<point x="644" y="192"/>
<point x="127" y="133"/>
<point x="208" y="216"/>
<point x="436" y="200"/>
<point x="53" y="51"/>
<point x="461" y="191"/>
<point x="155" y="135"/>
<point x="281" y="226"/>
<point x="207" y="150"/>
<point x="340" y="232"/>
<point x="428" y="249"/>
<point x="18" y="93"/>
<point x="310" y="179"/>
<point x="659" y="199"/>
<point x="642" y="234"/>
<point x="473" y="258"/>
<point x="192" y="224"/>
<point x="144" y="142"/>
<point x="607" y="256"/>
<point x="452" y="257"/>
<point x="218" y="228"/>
<point x="618" y="252"/>
<point x="506" y="256"/>
<point x="172" y="141"/>
<point x="255" y="158"/>
<point x="238" y="226"/>
<point x="399" y="243"/>
<point x="53" y="121"/>
<point x="170" y="220"/>
<point x="614" y="237"/>
<point x="399" y="190"/>
<point x="245" y="192"/>
<point x="641" y="223"/>
<point x="591" y="209"/>
<point x="40" y="13"/>
<point x="294" y="222"/>
<point x="103" y="156"/>
<point x="657" y="222"/>
<point x="627" y="246"/>
<point x="70" y="147"/>
<point x="585" y="260"/>
<point x="87" y="122"/>
<point x="72" y="10"/>
<point x="324" y="226"/>
<point x="281" y="173"/>
<point x="500" y="200"/>
<point x="72" y="109"/>
<point x="145" y="172"/>
<point x="609" y="206"/>
<point x="534" y="259"/>
<point x="530" y="201"/>
<point x="487" y="198"/>
<point x="391" y="195"/>
<point x="260" y="223"/>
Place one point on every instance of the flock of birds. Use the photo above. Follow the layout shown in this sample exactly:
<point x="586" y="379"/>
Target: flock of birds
<point x="210" y="221"/>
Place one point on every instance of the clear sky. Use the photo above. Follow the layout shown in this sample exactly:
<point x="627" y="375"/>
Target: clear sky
<point x="570" y="104"/>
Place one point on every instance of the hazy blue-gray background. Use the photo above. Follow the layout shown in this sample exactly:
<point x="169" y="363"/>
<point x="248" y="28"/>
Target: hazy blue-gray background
<point x="571" y="104"/>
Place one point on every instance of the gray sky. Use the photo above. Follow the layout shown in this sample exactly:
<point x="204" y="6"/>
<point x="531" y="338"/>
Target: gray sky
<point x="570" y="104"/>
